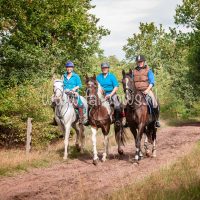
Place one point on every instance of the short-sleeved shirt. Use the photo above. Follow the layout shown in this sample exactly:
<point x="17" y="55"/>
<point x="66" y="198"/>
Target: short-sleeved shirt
<point x="72" y="82"/>
<point x="108" y="83"/>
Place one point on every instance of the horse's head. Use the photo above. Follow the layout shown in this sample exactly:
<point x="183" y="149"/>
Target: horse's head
<point x="128" y="84"/>
<point x="58" y="90"/>
<point x="92" y="87"/>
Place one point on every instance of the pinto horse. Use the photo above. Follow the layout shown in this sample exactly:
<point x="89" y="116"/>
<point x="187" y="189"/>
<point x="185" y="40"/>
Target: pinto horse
<point x="100" y="117"/>
<point x="137" y="117"/>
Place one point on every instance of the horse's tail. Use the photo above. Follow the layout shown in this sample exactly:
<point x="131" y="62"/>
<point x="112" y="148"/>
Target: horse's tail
<point x="120" y="134"/>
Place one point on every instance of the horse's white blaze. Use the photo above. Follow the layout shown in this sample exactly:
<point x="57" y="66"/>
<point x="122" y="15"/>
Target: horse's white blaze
<point x="94" y="141"/>
<point x="126" y="81"/>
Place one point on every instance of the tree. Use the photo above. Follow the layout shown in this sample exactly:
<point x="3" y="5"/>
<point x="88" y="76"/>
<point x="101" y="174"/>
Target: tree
<point x="188" y="14"/>
<point x="38" y="36"/>
<point x="166" y="53"/>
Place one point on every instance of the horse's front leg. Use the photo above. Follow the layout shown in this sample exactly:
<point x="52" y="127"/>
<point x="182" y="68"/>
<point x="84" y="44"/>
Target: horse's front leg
<point x="106" y="145"/>
<point x="119" y="137"/>
<point x="78" y="135"/>
<point x="66" y="142"/>
<point x="138" y="153"/>
<point x="94" y="143"/>
<point x="146" y="146"/>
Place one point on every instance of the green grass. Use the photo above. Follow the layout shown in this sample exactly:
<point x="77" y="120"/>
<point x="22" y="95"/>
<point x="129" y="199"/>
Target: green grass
<point x="181" y="181"/>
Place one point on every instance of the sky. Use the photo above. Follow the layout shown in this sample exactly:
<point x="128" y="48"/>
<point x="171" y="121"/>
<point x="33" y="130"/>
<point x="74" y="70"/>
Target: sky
<point x="122" y="18"/>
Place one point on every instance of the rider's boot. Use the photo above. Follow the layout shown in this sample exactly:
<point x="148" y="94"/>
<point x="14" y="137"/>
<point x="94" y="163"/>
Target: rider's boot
<point x="156" y="113"/>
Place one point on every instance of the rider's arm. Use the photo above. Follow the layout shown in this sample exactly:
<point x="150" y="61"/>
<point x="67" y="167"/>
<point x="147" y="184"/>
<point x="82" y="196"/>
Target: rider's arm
<point x="114" y="91"/>
<point x="151" y="81"/>
<point x="115" y="84"/>
<point x="78" y="84"/>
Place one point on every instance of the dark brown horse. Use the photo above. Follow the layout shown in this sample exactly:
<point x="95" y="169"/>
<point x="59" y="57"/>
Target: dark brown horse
<point x="137" y="116"/>
<point x="99" y="116"/>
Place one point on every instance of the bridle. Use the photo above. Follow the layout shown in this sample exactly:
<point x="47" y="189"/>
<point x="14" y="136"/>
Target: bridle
<point x="93" y="97"/>
<point x="135" y="99"/>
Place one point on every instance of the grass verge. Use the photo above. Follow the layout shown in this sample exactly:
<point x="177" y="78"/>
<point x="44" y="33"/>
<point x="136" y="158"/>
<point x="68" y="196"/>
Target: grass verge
<point x="179" y="181"/>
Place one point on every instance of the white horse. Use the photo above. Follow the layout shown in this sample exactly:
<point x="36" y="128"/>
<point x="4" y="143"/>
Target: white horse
<point x="66" y="116"/>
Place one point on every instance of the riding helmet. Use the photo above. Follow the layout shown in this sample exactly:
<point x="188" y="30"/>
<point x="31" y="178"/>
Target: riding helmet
<point x="105" y="65"/>
<point x="139" y="58"/>
<point x="69" y="64"/>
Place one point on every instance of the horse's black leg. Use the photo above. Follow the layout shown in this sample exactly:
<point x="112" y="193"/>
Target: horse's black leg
<point x="154" y="142"/>
<point x="138" y="141"/>
<point x="119" y="136"/>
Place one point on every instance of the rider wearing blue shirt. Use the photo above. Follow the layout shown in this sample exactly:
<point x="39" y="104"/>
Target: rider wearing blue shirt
<point x="110" y="86"/>
<point x="108" y="83"/>
<point x="72" y="82"/>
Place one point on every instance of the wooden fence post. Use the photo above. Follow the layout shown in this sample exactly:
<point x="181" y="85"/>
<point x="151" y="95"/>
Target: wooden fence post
<point x="28" y="135"/>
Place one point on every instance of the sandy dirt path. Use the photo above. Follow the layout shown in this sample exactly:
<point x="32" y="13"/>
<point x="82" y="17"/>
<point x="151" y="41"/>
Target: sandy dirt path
<point x="80" y="179"/>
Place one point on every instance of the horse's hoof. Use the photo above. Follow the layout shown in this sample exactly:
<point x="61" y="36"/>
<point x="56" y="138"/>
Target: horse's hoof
<point x="136" y="162"/>
<point x="95" y="162"/>
<point x="141" y="158"/>
<point x="65" y="159"/>
<point x="121" y="152"/>
<point x="153" y="155"/>
<point x="148" y="154"/>
<point x="103" y="159"/>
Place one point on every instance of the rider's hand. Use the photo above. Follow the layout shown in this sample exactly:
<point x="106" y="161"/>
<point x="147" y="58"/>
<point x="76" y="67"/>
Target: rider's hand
<point x="101" y="91"/>
<point x="146" y="91"/>
<point x="108" y="96"/>
<point x="73" y="90"/>
<point x="66" y="91"/>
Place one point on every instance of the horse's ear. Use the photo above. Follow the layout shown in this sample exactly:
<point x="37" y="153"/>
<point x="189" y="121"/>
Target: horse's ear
<point x="94" y="77"/>
<point x="131" y="72"/>
<point x="123" y="73"/>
